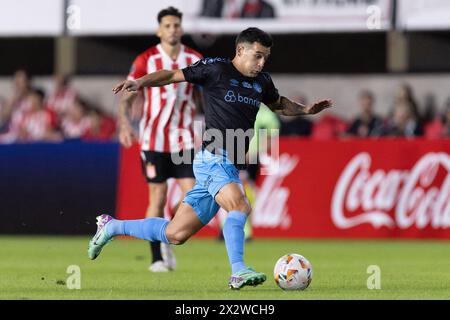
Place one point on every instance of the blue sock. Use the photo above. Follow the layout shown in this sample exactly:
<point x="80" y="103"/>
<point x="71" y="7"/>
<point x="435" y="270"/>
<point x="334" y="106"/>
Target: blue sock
<point x="233" y="232"/>
<point x="151" y="229"/>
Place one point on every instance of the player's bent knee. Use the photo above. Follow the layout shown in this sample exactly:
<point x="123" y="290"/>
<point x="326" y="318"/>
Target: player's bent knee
<point x="241" y="205"/>
<point x="177" y="237"/>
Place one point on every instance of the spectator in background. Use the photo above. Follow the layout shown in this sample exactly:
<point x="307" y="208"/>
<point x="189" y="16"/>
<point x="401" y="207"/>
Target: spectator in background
<point x="439" y="127"/>
<point x="329" y="127"/>
<point x="298" y="125"/>
<point x="4" y="118"/>
<point x="366" y="123"/>
<point x="15" y="106"/>
<point x="76" y="122"/>
<point x="430" y="110"/>
<point x="103" y="126"/>
<point x="403" y="123"/>
<point x="446" y="121"/>
<point x="405" y="95"/>
<point x="21" y="88"/>
<point x="37" y="121"/>
<point x="62" y="98"/>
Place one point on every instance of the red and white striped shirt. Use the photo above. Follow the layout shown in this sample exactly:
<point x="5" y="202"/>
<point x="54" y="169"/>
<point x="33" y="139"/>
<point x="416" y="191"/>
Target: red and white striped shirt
<point x="167" y="121"/>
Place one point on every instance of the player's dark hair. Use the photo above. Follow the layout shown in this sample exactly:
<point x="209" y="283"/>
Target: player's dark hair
<point x="39" y="92"/>
<point x="170" y="11"/>
<point x="251" y="35"/>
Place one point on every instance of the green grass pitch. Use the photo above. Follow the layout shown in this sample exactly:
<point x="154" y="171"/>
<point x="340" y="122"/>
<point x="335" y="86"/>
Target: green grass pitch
<point x="36" y="268"/>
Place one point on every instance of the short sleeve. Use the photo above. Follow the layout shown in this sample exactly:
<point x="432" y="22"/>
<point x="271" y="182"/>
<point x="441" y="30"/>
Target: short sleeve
<point x="271" y="94"/>
<point x="198" y="72"/>
<point x="138" y="68"/>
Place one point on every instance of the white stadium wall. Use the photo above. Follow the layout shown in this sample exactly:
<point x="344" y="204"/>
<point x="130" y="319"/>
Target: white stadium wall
<point x="423" y="14"/>
<point x="114" y="17"/>
<point x="101" y="17"/>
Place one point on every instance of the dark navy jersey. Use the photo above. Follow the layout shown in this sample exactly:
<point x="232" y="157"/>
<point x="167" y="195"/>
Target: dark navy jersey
<point x="232" y="100"/>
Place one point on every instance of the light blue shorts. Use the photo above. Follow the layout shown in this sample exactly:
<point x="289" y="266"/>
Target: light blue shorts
<point x="212" y="172"/>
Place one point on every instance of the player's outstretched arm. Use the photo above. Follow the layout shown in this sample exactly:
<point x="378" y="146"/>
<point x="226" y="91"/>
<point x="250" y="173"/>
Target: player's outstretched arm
<point x="287" y="107"/>
<point x="154" y="79"/>
<point x="126" y="133"/>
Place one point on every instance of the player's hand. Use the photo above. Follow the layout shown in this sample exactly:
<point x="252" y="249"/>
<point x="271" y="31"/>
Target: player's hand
<point x="126" y="135"/>
<point x="319" y="106"/>
<point x="128" y="85"/>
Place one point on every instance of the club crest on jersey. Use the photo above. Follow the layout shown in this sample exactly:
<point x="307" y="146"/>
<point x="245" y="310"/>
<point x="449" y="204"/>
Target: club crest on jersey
<point x="247" y="85"/>
<point x="257" y="87"/>
<point x="234" y="82"/>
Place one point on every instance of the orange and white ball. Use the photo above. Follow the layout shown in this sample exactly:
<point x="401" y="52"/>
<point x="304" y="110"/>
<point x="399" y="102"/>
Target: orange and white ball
<point x="293" y="272"/>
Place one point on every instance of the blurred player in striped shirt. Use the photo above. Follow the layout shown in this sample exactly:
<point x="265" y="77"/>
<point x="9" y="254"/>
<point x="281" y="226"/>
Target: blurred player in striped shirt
<point x="166" y="126"/>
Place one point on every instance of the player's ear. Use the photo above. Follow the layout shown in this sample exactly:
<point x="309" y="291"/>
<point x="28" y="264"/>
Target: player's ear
<point x="158" y="32"/>
<point x="239" y="50"/>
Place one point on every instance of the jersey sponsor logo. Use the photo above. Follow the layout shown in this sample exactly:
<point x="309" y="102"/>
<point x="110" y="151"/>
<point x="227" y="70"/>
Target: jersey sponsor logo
<point x="231" y="97"/>
<point x="234" y="82"/>
<point x="257" y="87"/>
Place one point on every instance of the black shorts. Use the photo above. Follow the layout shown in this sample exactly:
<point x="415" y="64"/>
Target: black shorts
<point x="158" y="166"/>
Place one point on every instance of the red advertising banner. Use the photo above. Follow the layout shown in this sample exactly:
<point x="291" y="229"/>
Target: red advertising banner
<point x="386" y="188"/>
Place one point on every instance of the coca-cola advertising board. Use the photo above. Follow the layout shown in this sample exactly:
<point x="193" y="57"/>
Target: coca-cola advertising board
<point x="386" y="188"/>
<point x="357" y="188"/>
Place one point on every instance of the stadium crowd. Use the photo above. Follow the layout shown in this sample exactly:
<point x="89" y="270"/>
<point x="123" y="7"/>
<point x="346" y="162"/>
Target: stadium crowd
<point x="27" y="114"/>
<point x="404" y="119"/>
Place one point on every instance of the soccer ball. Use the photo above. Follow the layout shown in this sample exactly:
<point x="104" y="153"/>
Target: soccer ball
<point x="293" y="272"/>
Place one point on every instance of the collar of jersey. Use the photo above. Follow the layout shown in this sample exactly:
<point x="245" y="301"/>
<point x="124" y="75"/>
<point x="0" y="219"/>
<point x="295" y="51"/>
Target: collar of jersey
<point x="163" y="53"/>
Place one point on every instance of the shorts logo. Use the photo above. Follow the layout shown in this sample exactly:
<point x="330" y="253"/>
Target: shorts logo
<point x="234" y="82"/>
<point x="230" y="97"/>
<point x="151" y="171"/>
<point x="247" y="85"/>
<point x="208" y="182"/>
<point x="257" y="87"/>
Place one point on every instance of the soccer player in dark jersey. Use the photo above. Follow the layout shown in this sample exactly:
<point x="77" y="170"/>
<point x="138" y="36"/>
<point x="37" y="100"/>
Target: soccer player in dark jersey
<point x="233" y="90"/>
